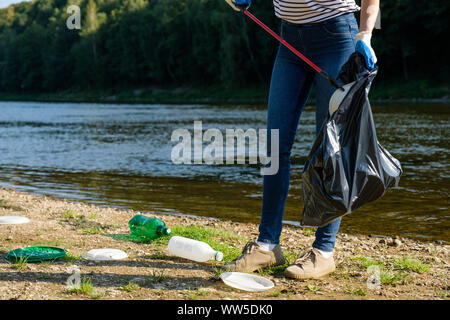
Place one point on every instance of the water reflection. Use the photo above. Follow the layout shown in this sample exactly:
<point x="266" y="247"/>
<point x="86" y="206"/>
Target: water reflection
<point x="120" y="155"/>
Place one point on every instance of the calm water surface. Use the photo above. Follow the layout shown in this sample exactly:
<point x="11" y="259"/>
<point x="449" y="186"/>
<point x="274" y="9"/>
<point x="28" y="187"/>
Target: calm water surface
<point x="119" y="155"/>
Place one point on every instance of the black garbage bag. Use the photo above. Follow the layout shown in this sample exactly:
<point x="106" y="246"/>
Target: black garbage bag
<point x="347" y="167"/>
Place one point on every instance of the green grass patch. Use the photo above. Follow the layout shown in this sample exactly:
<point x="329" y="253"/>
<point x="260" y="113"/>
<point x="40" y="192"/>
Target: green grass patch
<point x="391" y="277"/>
<point x="70" y="214"/>
<point x="21" y="263"/>
<point x="157" y="276"/>
<point x="308" y="232"/>
<point x="358" y="292"/>
<point x="70" y="257"/>
<point x="411" y="264"/>
<point x="366" y="262"/>
<point x="93" y="216"/>
<point x="313" y="288"/>
<point x="85" y="287"/>
<point x="195" y="294"/>
<point x="273" y="294"/>
<point x="94" y="230"/>
<point x="130" y="287"/>
<point x="387" y="274"/>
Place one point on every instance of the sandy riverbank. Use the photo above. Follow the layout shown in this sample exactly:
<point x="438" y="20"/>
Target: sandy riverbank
<point x="408" y="269"/>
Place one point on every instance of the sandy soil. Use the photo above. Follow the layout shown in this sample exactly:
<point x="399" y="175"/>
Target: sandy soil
<point x="408" y="269"/>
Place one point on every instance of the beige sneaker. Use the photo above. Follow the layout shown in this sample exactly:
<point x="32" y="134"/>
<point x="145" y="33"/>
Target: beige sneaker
<point x="254" y="258"/>
<point x="311" y="265"/>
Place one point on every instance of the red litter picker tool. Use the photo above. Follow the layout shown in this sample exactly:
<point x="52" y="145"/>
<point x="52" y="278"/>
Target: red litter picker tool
<point x="330" y="79"/>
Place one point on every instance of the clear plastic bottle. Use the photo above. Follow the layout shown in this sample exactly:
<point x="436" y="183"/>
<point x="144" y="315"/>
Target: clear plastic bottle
<point x="193" y="249"/>
<point x="146" y="228"/>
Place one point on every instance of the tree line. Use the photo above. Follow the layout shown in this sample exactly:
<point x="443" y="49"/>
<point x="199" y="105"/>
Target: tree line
<point x="132" y="43"/>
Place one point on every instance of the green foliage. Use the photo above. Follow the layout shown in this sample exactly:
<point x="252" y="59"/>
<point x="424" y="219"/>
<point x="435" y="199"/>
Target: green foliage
<point x="85" y="287"/>
<point x="411" y="264"/>
<point x="147" y="43"/>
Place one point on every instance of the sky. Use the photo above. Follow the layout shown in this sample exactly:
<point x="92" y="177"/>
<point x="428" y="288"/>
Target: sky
<point x="6" y="3"/>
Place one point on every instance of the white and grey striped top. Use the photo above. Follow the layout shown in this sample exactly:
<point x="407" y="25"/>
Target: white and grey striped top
<point x="311" y="11"/>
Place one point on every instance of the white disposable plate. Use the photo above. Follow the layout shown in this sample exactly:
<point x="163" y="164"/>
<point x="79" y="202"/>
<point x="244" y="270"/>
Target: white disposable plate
<point x="104" y="254"/>
<point x="13" y="220"/>
<point x="246" y="281"/>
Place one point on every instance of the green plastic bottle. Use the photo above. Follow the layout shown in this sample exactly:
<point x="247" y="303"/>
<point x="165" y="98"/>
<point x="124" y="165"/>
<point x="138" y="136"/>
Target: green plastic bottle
<point x="148" y="228"/>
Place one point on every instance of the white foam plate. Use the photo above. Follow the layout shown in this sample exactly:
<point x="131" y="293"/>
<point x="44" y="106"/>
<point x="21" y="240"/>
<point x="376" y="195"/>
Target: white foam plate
<point x="246" y="281"/>
<point x="13" y="220"/>
<point x="105" y="254"/>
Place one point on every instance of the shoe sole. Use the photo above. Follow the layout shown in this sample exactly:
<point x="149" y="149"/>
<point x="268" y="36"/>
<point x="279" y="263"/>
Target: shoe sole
<point x="302" y="277"/>
<point x="252" y="270"/>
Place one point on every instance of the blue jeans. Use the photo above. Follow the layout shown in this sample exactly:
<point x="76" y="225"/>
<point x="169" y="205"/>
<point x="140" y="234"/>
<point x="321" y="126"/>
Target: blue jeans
<point x="328" y="44"/>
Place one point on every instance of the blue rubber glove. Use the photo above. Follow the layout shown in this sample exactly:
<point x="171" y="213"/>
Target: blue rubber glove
<point x="239" y="5"/>
<point x="363" y="46"/>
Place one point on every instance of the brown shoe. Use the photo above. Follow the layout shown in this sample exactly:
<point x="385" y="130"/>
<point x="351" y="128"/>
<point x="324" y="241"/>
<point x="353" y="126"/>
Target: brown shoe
<point x="254" y="258"/>
<point x="311" y="265"/>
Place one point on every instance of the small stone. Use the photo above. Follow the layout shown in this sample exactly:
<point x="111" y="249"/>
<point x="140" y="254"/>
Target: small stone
<point x="395" y="242"/>
<point x="382" y="241"/>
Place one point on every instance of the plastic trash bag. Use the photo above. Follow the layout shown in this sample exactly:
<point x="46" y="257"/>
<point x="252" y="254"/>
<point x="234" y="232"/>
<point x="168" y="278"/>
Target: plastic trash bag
<point x="347" y="167"/>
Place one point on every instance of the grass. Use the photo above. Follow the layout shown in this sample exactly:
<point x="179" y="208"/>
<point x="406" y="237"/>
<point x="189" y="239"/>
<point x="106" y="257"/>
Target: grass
<point x="367" y="262"/>
<point x="309" y="232"/>
<point x="358" y="292"/>
<point x="391" y="277"/>
<point x="130" y="287"/>
<point x="93" y="216"/>
<point x="94" y="230"/>
<point x="70" y="257"/>
<point x="85" y="287"/>
<point x="195" y="294"/>
<point x="273" y="294"/>
<point x="157" y="276"/>
<point x="21" y="263"/>
<point x="386" y="274"/>
<point x="313" y="288"/>
<point x="69" y="214"/>
<point x="411" y="264"/>
<point x="444" y="294"/>
<point x="218" y="271"/>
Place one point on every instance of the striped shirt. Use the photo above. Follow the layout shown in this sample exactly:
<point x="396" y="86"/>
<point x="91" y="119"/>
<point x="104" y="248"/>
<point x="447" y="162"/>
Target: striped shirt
<point x="311" y="11"/>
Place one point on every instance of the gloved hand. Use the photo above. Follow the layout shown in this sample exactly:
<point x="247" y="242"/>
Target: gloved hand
<point x="363" y="46"/>
<point x="239" y="5"/>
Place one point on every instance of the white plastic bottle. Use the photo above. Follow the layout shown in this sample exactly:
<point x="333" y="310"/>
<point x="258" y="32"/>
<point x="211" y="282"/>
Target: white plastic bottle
<point x="193" y="249"/>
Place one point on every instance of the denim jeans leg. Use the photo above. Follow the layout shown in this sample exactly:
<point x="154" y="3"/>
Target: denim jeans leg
<point x="332" y="62"/>
<point x="289" y="89"/>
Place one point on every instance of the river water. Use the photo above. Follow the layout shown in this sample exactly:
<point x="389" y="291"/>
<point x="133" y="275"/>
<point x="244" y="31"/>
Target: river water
<point x="120" y="155"/>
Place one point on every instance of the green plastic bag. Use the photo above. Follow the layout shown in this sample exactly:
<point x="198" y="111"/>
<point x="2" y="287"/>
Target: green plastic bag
<point x="35" y="254"/>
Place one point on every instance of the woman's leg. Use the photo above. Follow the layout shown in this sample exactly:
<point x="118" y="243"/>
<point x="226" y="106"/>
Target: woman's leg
<point x="289" y="89"/>
<point x="341" y="38"/>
